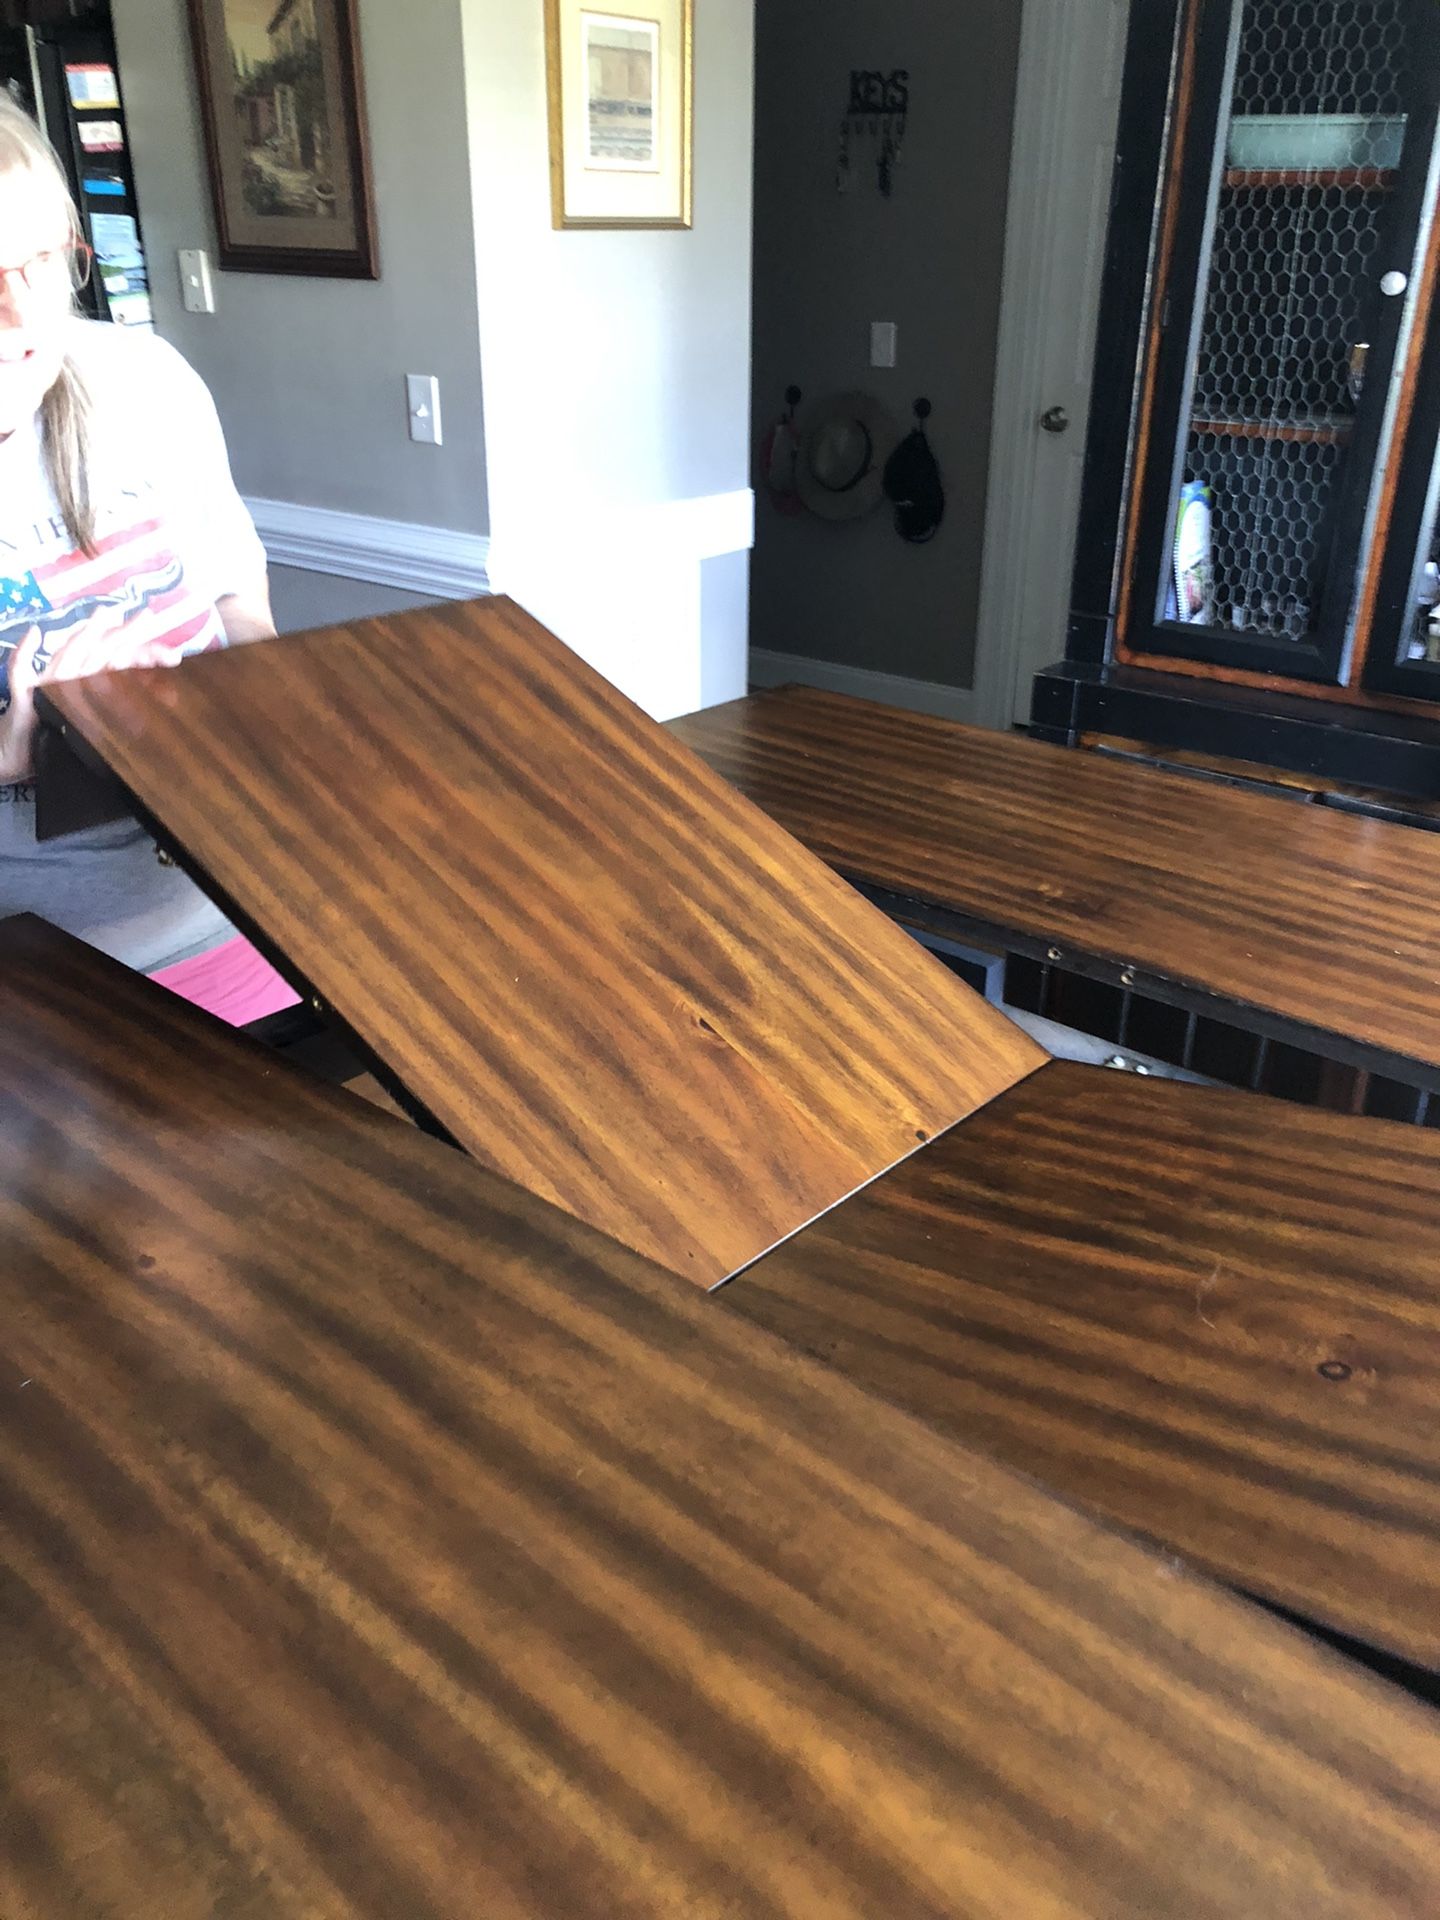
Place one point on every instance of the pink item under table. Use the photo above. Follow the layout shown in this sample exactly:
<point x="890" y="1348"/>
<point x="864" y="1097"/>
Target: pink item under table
<point x="231" y="981"/>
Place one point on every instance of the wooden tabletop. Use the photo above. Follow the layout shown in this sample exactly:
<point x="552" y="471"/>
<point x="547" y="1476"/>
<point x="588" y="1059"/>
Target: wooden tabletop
<point x="379" y="1543"/>
<point x="603" y="971"/>
<point x="1212" y="1317"/>
<point x="1296" y="911"/>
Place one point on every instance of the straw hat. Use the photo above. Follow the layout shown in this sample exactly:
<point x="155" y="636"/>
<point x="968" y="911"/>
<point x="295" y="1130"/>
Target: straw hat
<point x="845" y="442"/>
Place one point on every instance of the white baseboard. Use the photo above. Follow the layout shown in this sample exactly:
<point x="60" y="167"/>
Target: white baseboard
<point x="436" y="561"/>
<point x="892" y="689"/>
<point x="455" y="566"/>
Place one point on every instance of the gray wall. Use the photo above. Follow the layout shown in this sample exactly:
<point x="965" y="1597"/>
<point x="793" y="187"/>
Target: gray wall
<point x="308" y="373"/>
<point x="930" y="259"/>
<point x="302" y="599"/>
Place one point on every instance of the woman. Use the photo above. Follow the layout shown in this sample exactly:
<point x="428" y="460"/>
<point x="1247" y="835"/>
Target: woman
<point x="123" y="543"/>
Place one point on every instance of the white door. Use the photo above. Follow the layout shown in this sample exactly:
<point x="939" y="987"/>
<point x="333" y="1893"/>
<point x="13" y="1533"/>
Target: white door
<point x="1062" y="155"/>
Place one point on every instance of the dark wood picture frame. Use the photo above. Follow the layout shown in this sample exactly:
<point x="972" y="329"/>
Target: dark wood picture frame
<point x="306" y="172"/>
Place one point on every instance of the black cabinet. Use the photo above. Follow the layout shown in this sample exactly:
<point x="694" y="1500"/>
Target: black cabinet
<point x="1262" y="492"/>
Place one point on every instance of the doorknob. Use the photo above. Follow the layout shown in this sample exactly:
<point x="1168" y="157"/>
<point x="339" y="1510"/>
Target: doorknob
<point x="1055" y="420"/>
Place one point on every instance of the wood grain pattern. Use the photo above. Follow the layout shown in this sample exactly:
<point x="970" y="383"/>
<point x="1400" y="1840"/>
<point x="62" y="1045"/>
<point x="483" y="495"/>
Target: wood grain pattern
<point x="607" y="974"/>
<point x="1212" y="1317"/>
<point x="379" y="1543"/>
<point x="1351" y="696"/>
<point x="1328" y="920"/>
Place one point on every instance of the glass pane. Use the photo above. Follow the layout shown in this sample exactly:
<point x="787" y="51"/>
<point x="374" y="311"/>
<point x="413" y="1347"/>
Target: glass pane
<point x="1315" y="128"/>
<point x="1421" y="635"/>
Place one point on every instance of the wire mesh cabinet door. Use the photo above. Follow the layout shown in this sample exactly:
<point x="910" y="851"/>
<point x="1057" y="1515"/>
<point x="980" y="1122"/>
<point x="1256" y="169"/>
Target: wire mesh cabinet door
<point x="1290" y="253"/>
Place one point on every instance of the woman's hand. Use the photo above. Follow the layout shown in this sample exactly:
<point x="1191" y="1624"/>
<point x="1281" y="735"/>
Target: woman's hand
<point x="247" y="616"/>
<point x="92" y="647"/>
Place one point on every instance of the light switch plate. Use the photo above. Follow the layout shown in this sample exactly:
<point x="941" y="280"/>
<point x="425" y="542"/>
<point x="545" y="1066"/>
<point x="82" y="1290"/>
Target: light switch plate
<point x="883" y="340"/>
<point x="422" y="398"/>
<point x="197" y="291"/>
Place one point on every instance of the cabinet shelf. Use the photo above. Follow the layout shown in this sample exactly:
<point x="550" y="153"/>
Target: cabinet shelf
<point x="1355" y="179"/>
<point x="1326" y="431"/>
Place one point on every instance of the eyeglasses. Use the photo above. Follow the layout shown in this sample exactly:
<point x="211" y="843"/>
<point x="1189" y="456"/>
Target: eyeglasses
<point x="74" y="258"/>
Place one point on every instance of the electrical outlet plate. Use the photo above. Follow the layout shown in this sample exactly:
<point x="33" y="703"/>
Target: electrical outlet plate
<point x="883" y="341"/>
<point x="197" y="290"/>
<point x="422" y="399"/>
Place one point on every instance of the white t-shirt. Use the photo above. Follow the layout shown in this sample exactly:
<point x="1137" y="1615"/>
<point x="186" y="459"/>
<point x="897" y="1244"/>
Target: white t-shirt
<point x="173" y="537"/>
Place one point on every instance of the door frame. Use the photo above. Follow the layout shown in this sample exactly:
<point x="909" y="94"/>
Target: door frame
<point x="1050" y="128"/>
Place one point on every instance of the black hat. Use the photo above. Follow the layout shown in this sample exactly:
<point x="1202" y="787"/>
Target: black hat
<point x="913" y="484"/>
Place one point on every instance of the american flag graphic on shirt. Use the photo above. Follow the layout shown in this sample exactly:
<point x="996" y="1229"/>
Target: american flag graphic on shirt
<point x="134" y="574"/>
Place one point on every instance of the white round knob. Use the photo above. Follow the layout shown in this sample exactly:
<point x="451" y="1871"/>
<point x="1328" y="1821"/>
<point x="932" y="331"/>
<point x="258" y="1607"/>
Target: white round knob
<point x="1393" y="282"/>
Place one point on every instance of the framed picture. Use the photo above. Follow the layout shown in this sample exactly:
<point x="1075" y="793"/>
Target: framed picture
<point x="621" y="87"/>
<point x="280" y="96"/>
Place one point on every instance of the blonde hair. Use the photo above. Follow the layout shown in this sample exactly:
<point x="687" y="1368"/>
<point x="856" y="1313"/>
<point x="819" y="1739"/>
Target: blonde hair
<point x="65" y="410"/>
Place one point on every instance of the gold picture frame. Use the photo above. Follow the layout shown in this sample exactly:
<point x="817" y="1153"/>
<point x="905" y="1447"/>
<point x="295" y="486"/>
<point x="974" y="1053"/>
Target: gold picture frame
<point x="620" y="76"/>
